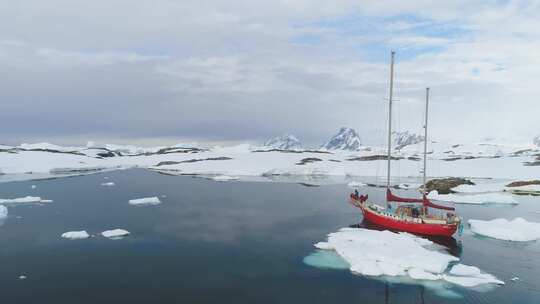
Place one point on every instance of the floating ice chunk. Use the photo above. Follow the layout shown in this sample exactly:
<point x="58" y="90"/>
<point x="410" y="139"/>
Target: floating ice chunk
<point x="22" y="277"/>
<point x="33" y="186"/>
<point x="23" y="200"/>
<point x="3" y="211"/>
<point x="108" y="184"/>
<point x="472" y="281"/>
<point x="484" y="198"/>
<point x="395" y="255"/>
<point x="375" y="253"/>
<point x="514" y="279"/>
<point x="464" y="270"/>
<point x="519" y="229"/>
<point x="224" y="178"/>
<point x="355" y="184"/>
<point x="145" y="201"/>
<point x="75" y="235"/>
<point x="115" y="233"/>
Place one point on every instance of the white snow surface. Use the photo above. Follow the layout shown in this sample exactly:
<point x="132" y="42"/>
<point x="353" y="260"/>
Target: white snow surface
<point x="115" y="233"/>
<point x="76" y="235"/>
<point x="24" y="200"/>
<point x="477" y="199"/>
<point x="385" y="253"/>
<point x="3" y="211"/>
<point x="518" y="229"/>
<point x="154" y="200"/>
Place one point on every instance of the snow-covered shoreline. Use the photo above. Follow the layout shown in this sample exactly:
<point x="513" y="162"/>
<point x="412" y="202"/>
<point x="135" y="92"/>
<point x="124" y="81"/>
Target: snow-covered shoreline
<point x="476" y="161"/>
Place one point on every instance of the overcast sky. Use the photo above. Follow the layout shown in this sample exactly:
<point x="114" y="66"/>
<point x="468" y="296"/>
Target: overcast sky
<point x="166" y="71"/>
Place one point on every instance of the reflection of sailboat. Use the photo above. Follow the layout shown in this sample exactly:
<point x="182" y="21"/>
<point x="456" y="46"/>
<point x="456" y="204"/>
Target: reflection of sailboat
<point x="413" y="216"/>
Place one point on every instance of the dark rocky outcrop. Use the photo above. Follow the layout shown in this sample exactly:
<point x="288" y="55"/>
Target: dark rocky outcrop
<point x="308" y="160"/>
<point x="373" y="157"/>
<point x="523" y="183"/>
<point x="168" y="162"/>
<point x="445" y="185"/>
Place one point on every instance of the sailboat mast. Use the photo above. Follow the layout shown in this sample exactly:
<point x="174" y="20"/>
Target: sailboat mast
<point x="390" y="119"/>
<point x="425" y="140"/>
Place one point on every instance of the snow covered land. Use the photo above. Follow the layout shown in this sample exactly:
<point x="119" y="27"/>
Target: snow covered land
<point x="341" y="156"/>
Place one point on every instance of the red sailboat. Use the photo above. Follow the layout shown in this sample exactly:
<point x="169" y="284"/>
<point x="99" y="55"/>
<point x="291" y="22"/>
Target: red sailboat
<point x="414" y="215"/>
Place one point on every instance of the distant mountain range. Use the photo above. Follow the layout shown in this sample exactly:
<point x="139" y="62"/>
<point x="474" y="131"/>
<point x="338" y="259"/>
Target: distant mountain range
<point x="405" y="138"/>
<point x="345" y="139"/>
<point x="285" y="142"/>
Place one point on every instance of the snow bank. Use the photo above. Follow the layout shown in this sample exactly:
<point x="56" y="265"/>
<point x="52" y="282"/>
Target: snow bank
<point x="108" y="184"/>
<point x="384" y="253"/>
<point x="145" y="201"/>
<point x="518" y="230"/>
<point x="115" y="233"/>
<point x="484" y="198"/>
<point x="3" y="211"/>
<point x="224" y="178"/>
<point x="23" y="200"/>
<point x="75" y="235"/>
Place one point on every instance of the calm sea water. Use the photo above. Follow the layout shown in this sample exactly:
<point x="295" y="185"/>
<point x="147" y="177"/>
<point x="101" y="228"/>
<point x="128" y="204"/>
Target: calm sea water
<point x="210" y="242"/>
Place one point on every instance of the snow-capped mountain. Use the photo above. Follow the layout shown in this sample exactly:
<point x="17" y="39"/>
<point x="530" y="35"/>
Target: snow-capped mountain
<point x="285" y="142"/>
<point x="536" y="140"/>
<point x="405" y="138"/>
<point x="345" y="139"/>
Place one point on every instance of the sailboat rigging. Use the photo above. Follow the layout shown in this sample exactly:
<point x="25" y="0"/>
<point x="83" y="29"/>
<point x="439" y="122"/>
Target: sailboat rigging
<point x="413" y="217"/>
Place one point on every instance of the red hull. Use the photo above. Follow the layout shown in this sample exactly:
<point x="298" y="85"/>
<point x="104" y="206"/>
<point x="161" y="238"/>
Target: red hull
<point x="417" y="228"/>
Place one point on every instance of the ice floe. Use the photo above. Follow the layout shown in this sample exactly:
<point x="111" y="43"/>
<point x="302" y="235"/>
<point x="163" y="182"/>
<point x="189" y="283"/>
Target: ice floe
<point x="108" y="184"/>
<point x="24" y="200"/>
<point x="518" y="229"/>
<point x="355" y="184"/>
<point x="115" y="233"/>
<point x="33" y="187"/>
<point x="3" y="212"/>
<point x="154" y="200"/>
<point x="484" y="198"/>
<point x="388" y="254"/>
<point x="76" y="235"/>
<point x="224" y="178"/>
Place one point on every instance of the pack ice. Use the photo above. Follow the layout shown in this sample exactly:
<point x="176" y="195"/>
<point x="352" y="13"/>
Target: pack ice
<point x="518" y="229"/>
<point x="385" y="253"/>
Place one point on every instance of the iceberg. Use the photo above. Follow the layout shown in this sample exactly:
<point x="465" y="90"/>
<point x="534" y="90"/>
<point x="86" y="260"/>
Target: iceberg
<point x="24" y="200"/>
<point x="224" y="178"/>
<point x="75" y="235"/>
<point x="355" y="184"/>
<point x="402" y="255"/>
<point x="108" y="184"/>
<point x="517" y="230"/>
<point x="478" y="199"/>
<point x="115" y="233"/>
<point x="145" y="201"/>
